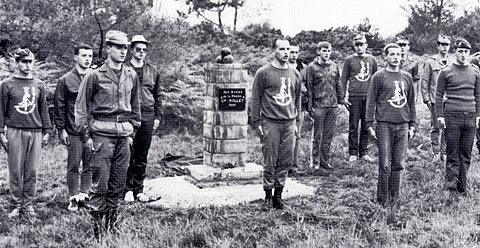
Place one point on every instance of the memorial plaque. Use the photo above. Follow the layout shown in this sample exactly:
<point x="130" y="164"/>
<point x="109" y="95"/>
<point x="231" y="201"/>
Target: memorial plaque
<point x="231" y="99"/>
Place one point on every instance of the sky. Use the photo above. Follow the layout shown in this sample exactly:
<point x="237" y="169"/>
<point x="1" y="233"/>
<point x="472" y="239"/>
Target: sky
<point x="293" y="16"/>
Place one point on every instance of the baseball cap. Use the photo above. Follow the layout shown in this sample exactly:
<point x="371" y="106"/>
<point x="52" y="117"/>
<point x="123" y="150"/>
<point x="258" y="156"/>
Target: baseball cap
<point x="23" y="54"/>
<point x="116" y="37"/>
<point x="443" y="39"/>
<point x="359" y="38"/>
<point x="402" y="39"/>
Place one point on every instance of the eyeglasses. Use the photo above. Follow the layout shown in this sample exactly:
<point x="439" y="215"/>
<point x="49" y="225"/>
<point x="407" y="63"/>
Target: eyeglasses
<point x="443" y="44"/>
<point x="359" y="44"/>
<point x="402" y="44"/>
<point x="295" y="52"/>
<point x="140" y="50"/>
<point x="25" y="61"/>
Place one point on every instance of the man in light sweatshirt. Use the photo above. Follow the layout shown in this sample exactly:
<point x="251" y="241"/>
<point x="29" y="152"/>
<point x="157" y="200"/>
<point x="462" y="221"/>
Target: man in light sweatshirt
<point x="356" y="74"/>
<point x="391" y="102"/>
<point x="24" y="111"/>
<point x="460" y="83"/>
<point x="275" y="106"/>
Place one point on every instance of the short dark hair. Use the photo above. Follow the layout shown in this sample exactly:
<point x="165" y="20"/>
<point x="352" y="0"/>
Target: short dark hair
<point x="274" y="44"/>
<point x="388" y="46"/>
<point x="324" y="44"/>
<point x="293" y="43"/>
<point x="77" y="48"/>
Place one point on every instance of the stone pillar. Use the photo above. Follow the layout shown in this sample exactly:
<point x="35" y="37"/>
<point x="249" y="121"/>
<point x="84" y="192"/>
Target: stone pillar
<point x="225" y="118"/>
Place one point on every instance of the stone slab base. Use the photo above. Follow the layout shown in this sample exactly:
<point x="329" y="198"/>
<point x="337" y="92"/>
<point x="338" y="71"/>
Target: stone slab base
<point x="205" y="173"/>
<point x="178" y="192"/>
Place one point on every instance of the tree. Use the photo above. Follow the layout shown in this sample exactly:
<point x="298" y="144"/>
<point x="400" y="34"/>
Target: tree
<point x="200" y="7"/>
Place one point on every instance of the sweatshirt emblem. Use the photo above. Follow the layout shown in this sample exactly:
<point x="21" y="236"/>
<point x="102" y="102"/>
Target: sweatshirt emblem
<point x="27" y="105"/>
<point x="284" y="95"/>
<point x="399" y="98"/>
<point x="364" y="73"/>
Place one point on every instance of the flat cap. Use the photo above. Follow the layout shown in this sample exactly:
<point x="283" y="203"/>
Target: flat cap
<point x="23" y="54"/>
<point x="116" y="37"/>
<point x="462" y="43"/>
<point x="402" y="39"/>
<point x="360" y="38"/>
<point x="443" y="39"/>
<point x="140" y="39"/>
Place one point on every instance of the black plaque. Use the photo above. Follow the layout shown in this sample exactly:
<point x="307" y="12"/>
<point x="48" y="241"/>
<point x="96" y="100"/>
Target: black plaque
<point x="231" y="99"/>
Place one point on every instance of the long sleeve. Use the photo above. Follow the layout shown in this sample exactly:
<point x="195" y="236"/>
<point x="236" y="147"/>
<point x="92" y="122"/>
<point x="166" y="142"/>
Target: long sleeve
<point x="257" y="93"/>
<point x="298" y="97"/>
<point x="425" y="80"/>
<point x="441" y="87"/>
<point x="338" y="86"/>
<point x="411" y="104"/>
<point x="43" y="110"/>
<point x="372" y="99"/>
<point x="84" y="97"/>
<point x="346" y="75"/>
<point x="477" y="94"/>
<point x="374" y="66"/>
<point x="3" y="106"/>
<point x="60" y="106"/>
<point x="157" y="95"/>
<point x="135" y="103"/>
<point x="309" y="85"/>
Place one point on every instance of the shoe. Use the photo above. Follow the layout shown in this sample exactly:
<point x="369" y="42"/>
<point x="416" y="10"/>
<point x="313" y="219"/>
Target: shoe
<point x="73" y="205"/>
<point x="111" y="224"/>
<point x="14" y="214"/>
<point x="129" y="197"/>
<point x="352" y="158"/>
<point x="142" y="197"/>
<point x="29" y="211"/>
<point x="367" y="158"/>
<point x="82" y="199"/>
<point x="267" y="202"/>
<point x="277" y="201"/>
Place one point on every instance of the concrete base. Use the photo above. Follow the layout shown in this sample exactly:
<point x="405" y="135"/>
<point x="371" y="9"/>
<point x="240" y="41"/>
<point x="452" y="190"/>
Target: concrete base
<point x="204" y="173"/>
<point x="178" y="192"/>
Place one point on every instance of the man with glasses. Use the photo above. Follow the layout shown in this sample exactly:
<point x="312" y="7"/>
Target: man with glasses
<point x="408" y="64"/>
<point x="460" y="83"/>
<point x="151" y="103"/>
<point x="356" y="74"/>
<point x="431" y="70"/>
<point x="108" y="107"/>
<point x="24" y="111"/>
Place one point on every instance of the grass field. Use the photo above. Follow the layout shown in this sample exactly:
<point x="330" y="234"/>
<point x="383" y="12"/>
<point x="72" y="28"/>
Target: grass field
<point x="343" y="213"/>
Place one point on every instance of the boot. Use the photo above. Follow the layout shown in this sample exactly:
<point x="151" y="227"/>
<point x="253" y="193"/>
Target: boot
<point x="97" y="218"/>
<point x="267" y="203"/>
<point x="277" y="201"/>
<point x="111" y="220"/>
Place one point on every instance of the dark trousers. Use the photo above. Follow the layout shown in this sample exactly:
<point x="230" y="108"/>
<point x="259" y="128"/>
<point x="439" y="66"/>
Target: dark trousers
<point x="278" y="145"/>
<point x="460" y="135"/>
<point x="297" y="140"/>
<point x="437" y="135"/>
<point x="323" y="129"/>
<point x="392" y="145"/>
<point x="138" y="163"/>
<point x="78" y="153"/>
<point x="357" y="144"/>
<point x="109" y="172"/>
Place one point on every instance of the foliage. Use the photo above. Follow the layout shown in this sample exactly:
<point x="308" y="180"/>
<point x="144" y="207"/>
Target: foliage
<point x="201" y="6"/>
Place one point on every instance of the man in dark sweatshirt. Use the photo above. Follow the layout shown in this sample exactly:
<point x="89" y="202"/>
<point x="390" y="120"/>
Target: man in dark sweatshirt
<point x="108" y="107"/>
<point x="408" y="64"/>
<point x="69" y="133"/>
<point x="356" y="74"/>
<point x="324" y="94"/>
<point x="431" y="69"/>
<point x="391" y="102"/>
<point x="275" y="106"/>
<point x="24" y="111"/>
<point x="151" y="104"/>
<point x="460" y="82"/>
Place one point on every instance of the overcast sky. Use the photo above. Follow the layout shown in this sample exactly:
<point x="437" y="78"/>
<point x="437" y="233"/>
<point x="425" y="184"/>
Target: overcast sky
<point x="293" y="16"/>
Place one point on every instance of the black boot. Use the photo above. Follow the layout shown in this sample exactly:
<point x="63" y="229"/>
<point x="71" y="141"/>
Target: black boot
<point x="267" y="203"/>
<point x="277" y="201"/>
<point x="97" y="218"/>
<point x="111" y="220"/>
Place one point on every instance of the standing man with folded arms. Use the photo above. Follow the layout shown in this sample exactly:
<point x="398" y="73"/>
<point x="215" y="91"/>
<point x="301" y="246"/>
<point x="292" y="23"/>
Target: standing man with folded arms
<point x="69" y="133"/>
<point x="108" y="107"/>
<point x="151" y="104"/>
<point x="460" y="83"/>
<point x="356" y="74"/>
<point x="275" y="106"/>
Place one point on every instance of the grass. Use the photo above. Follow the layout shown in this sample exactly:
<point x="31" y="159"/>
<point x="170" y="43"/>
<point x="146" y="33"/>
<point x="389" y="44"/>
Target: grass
<point x="343" y="212"/>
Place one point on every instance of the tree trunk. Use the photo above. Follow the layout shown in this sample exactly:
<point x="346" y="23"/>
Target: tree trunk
<point x="235" y="19"/>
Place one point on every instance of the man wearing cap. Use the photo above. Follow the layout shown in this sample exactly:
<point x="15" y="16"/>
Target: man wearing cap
<point x="391" y="102"/>
<point x="324" y="94"/>
<point x="24" y="111"/>
<point x="356" y="74"/>
<point x="69" y="133"/>
<point x="431" y="69"/>
<point x="151" y="103"/>
<point x="408" y="64"/>
<point x="460" y="83"/>
<point x="108" y="107"/>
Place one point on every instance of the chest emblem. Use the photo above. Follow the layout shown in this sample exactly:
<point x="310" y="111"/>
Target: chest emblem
<point x="284" y="95"/>
<point x="399" y="98"/>
<point x="364" y="73"/>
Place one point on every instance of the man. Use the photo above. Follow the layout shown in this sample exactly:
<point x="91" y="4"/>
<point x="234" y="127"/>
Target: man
<point x="151" y="103"/>
<point x="460" y="83"/>
<point x="431" y="69"/>
<point x="356" y="74"/>
<point x="275" y="107"/>
<point x="294" y="62"/>
<point x="408" y="64"/>
<point x="324" y="94"/>
<point x="69" y="133"/>
<point x="391" y="101"/>
<point x="108" y="107"/>
<point x="24" y="111"/>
